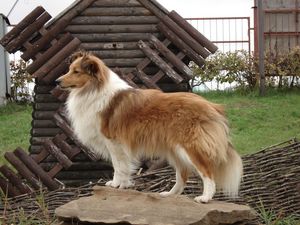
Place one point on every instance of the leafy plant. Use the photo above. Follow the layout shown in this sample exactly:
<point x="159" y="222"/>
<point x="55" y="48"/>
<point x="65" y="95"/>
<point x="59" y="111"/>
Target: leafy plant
<point x="269" y="217"/>
<point x="20" y="79"/>
<point x="229" y="67"/>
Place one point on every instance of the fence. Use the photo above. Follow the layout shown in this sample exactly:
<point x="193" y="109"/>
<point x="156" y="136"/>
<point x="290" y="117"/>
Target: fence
<point x="228" y="33"/>
<point x="281" y="25"/>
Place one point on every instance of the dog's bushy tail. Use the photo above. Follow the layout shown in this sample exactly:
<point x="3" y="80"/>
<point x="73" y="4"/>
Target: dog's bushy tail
<point x="228" y="175"/>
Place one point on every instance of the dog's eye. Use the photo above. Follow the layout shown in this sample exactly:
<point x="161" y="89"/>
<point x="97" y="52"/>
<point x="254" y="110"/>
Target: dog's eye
<point x="76" y="71"/>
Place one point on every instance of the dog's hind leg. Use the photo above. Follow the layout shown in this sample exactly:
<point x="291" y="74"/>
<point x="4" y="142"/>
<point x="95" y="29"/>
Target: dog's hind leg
<point x="122" y="167"/>
<point x="204" y="169"/>
<point x="181" y="178"/>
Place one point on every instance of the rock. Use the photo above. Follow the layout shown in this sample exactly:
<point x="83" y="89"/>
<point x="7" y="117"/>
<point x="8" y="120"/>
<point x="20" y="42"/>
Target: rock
<point x="115" y="206"/>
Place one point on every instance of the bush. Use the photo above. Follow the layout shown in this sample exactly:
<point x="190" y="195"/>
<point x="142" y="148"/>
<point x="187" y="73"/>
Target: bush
<point x="241" y="68"/>
<point x="20" y="80"/>
<point x="229" y="67"/>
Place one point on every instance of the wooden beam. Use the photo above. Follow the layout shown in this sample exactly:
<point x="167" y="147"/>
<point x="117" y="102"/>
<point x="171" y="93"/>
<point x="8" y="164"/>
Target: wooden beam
<point x="8" y="189"/>
<point x="117" y="54"/>
<point x="116" y="3"/>
<point x="70" y="152"/>
<point x="57" y="153"/>
<point x="114" y="20"/>
<point x="145" y="79"/>
<point x="14" y="179"/>
<point x="36" y="169"/>
<point x="57" y="58"/>
<point x="55" y="73"/>
<point x="119" y="37"/>
<point x="186" y="49"/>
<point x="29" y="19"/>
<point x="43" y="124"/>
<point x="193" y="32"/>
<point x="115" y="11"/>
<point x="171" y="57"/>
<point x="44" y="40"/>
<point x="160" y="62"/>
<point x="136" y="28"/>
<point x="15" y="44"/>
<point x="109" y="46"/>
<point x="45" y="132"/>
<point x="22" y="169"/>
<point x="62" y="42"/>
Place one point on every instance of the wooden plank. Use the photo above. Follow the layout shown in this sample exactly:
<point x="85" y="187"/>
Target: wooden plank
<point x="109" y="46"/>
<point x="56" y="72"/>
<point x="63" y="41"/>
<point x="36" y="169"/>
<point x="145" y="79"/>
<point x="15" y="44"/>
<point x="153" y="8"/>
<point x="184" y="36"/>
<point x="160" y="62"/>
<point x="116" y="11"/>
<point x="55" y="170"/>
<point x="44" y="40"/>
<point x="22" y="169"/>
<point x="171" y="57"/>
<point x="122" y="62"/>
<point x="43" y="124"/>
<point x="8" y="189"/>
<point x="86" y="29"/>
<point x="116" y="3"/>
<point x="29" y="19"/>
<point x="57" y="58"/>
<point x="69" y="132"/>
<point x="51" y="106"/>
<point x="193" y="32"/>
<point x="42" y="155"/>
<point x="38" y="140"/>
<point x="45" y="132"/>
<point x="119" y="37"/>
<point x="69" y="151"/>
<point x="43" y="115"/>
<point x="57" y="153"/>
<point x="182" y="87"/>
<point x="44" y="98"/>
<point x="117" y="54"/>
<point x="187" y="50"/>
<point x="114" y="20"/>
<point x="14" y="179"/>
<point x="43" y="89"/>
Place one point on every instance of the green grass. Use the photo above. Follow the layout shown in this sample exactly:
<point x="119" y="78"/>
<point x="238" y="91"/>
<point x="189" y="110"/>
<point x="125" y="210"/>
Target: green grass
<point x="15" y="125"/>
<point x="258" y="122"/>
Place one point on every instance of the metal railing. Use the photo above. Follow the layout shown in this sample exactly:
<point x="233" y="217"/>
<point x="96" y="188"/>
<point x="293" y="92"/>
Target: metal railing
<point x="228" y="33"/>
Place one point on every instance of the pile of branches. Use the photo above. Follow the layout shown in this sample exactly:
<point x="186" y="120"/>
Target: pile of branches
<point x="271" y="179"/>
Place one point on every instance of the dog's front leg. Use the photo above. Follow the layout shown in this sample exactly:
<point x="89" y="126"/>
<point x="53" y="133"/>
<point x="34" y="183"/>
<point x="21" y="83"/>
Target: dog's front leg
<point x="122" y="167"/>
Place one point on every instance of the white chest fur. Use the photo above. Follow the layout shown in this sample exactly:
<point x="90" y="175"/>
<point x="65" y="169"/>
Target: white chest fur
<point x="84" y="112"/>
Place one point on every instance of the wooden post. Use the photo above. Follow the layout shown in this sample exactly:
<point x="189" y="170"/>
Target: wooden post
<point x="261" y="45"/>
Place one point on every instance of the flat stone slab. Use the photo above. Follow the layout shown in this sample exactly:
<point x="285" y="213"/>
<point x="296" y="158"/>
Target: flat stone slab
<point x="115" y="206"/>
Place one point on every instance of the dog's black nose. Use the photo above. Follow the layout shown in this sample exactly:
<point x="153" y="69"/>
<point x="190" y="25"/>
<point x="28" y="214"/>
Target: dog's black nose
<point x="57" y="81"/>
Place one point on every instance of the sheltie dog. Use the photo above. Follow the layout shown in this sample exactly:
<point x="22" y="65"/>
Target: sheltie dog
<point x="121" y="124"/>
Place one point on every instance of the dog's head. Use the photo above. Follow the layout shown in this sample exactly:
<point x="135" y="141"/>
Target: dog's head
<point x="85" y="70"/>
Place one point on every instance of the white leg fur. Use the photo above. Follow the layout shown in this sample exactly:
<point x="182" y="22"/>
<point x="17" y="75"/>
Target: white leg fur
<point x="209" y="189"/>
<point x="122" y="167"/>
<point x="177" y="188"/>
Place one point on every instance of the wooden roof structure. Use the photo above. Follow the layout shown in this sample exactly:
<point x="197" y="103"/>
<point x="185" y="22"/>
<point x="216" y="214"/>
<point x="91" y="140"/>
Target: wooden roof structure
<point x="147" y="45"/>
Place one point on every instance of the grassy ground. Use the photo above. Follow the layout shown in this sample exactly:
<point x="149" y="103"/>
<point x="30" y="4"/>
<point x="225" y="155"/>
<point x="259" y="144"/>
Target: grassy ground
<point x="15" y="125"/>
<point x="258" y="122"/>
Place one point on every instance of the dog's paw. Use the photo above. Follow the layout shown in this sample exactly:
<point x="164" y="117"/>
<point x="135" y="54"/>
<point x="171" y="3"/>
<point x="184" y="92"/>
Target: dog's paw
<point x="202" y="199"/>
<point x="165" y="194"/>
<point x="112" y="183"/>
<point x="126" y="184"/>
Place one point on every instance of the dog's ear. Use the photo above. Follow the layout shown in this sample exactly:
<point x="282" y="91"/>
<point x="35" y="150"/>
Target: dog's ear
<point x="89" y="65"/>
<point x="76" y="55"/>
